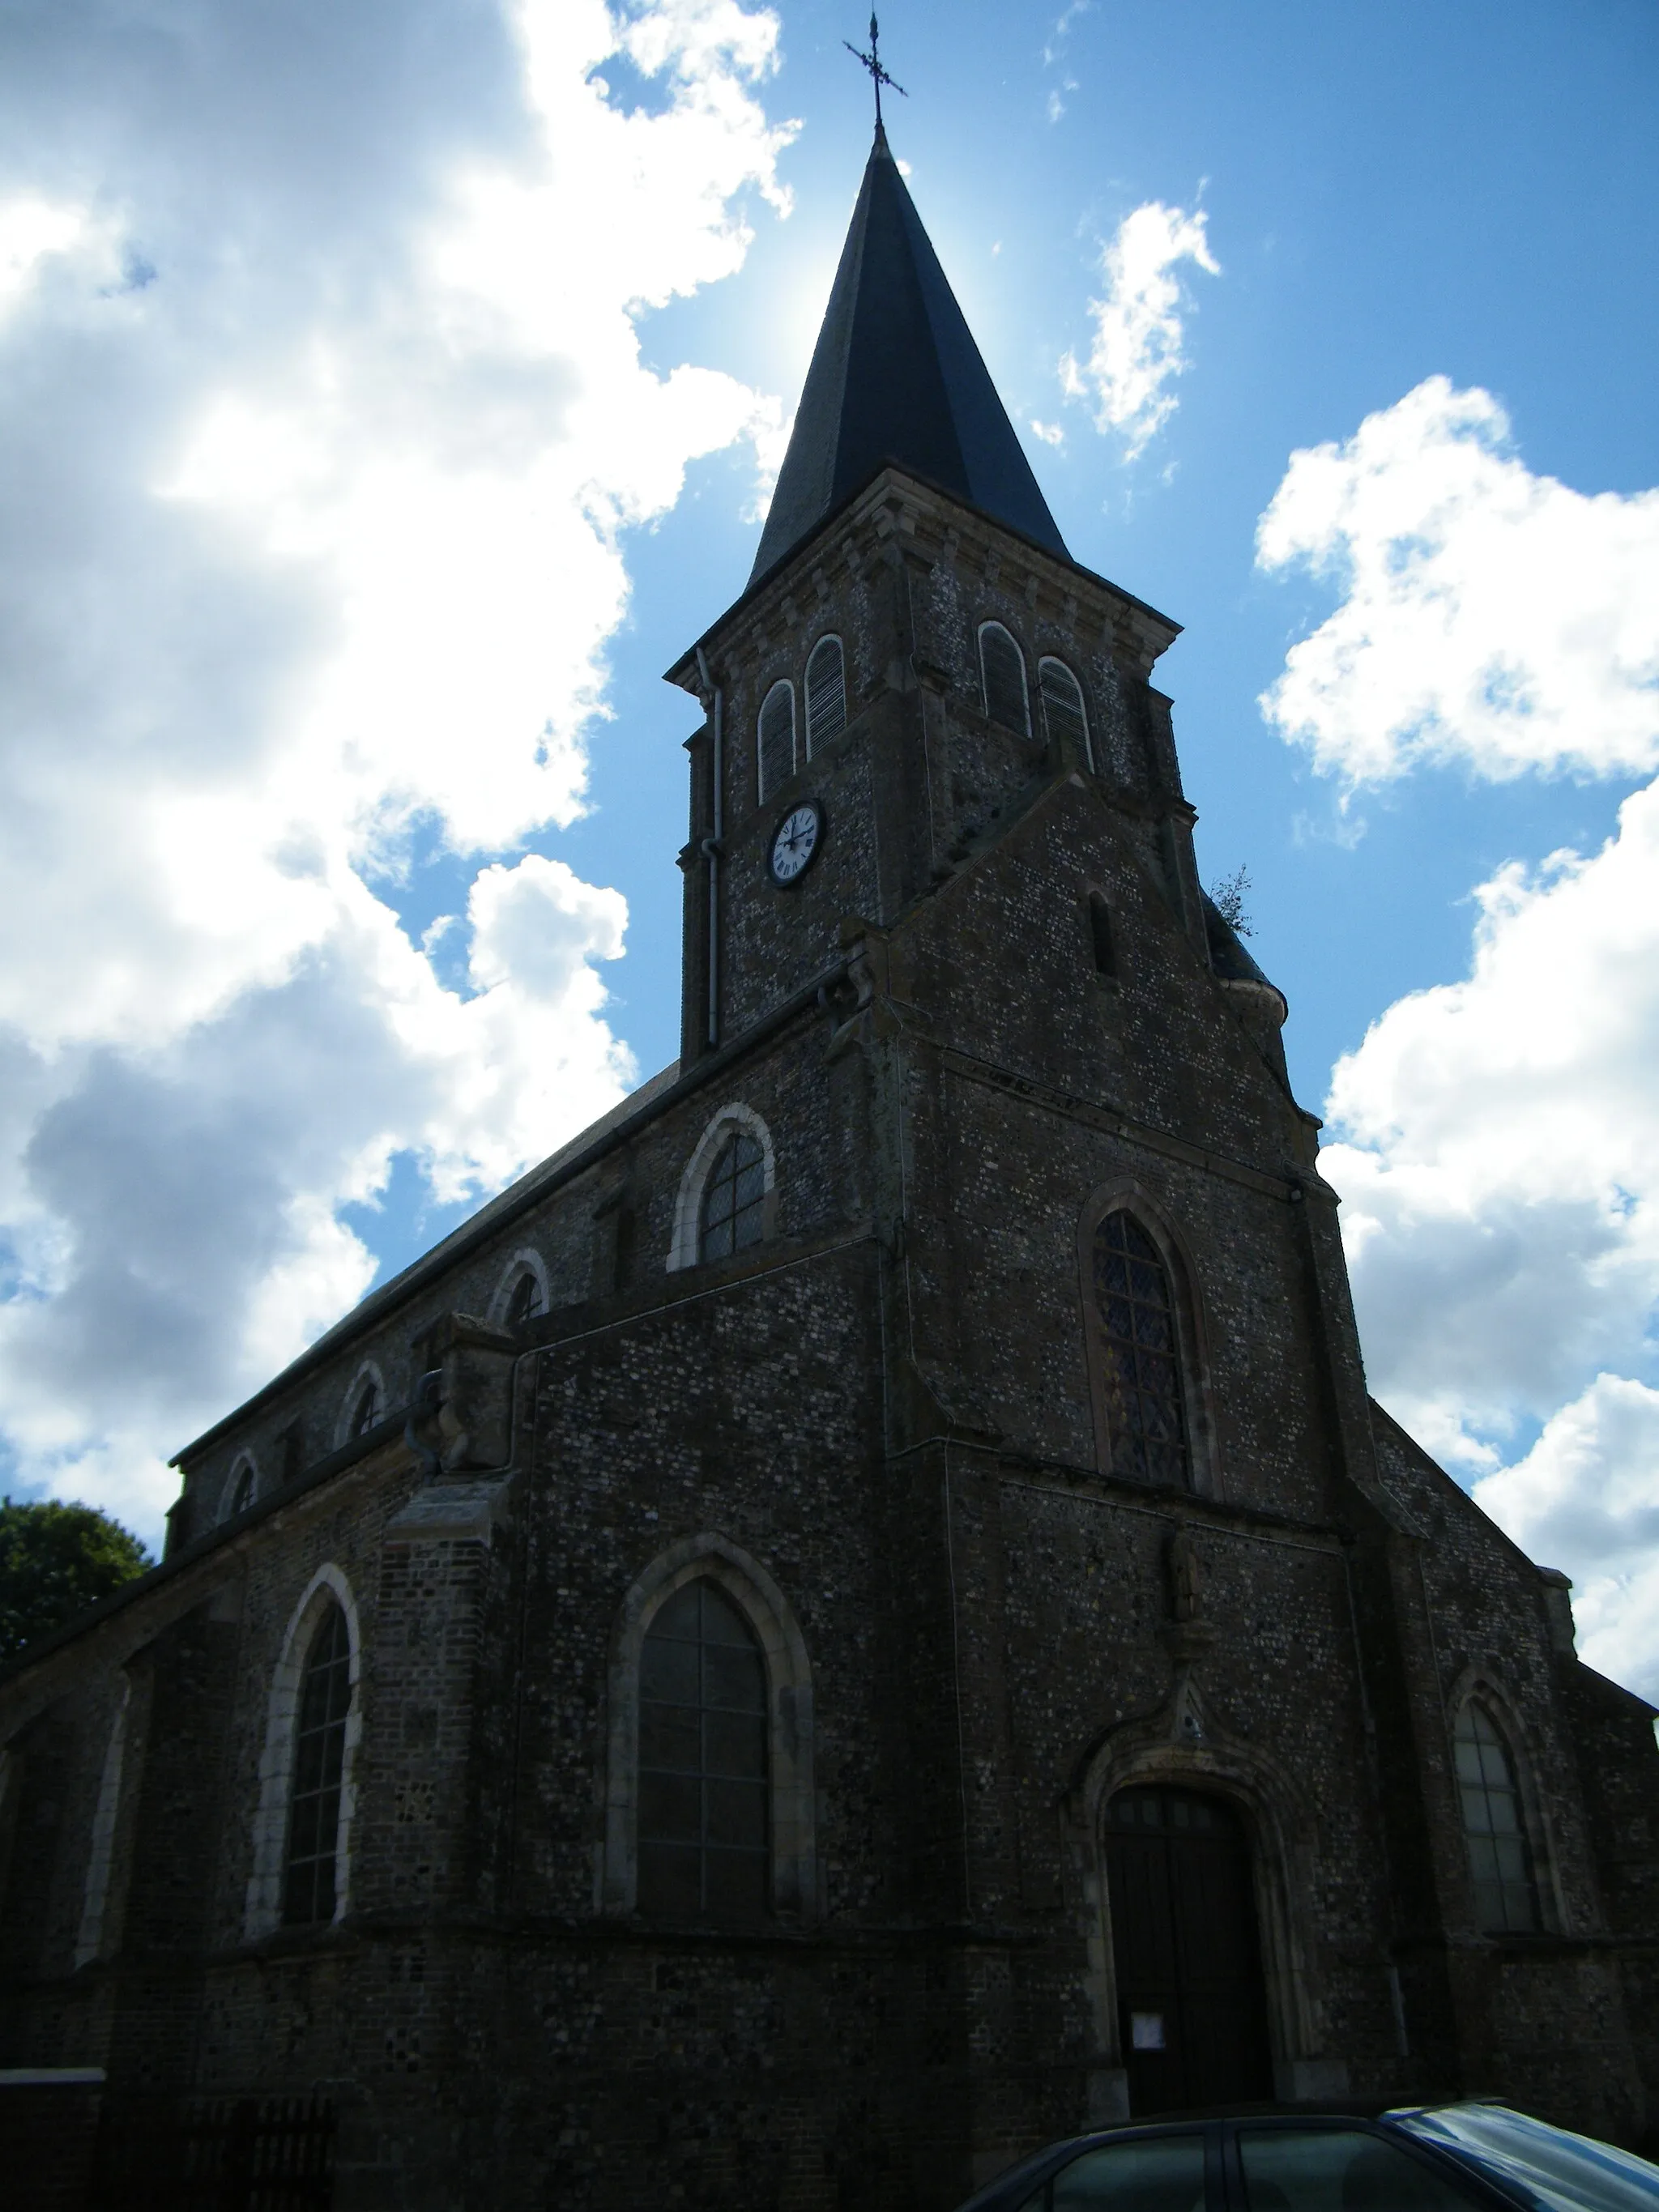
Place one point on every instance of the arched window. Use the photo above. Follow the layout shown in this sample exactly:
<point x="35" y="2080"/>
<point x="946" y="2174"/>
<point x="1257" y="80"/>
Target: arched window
<point x="1002" y="669"/>
<point x="704" y="1845"/>
<point x="1140" y="1354"/>
<point x="238" y="1491"/>
<point x="826" y="695"/>
<point x="777" y="737"/>
<point x="1064" y="720"/>
<point x="1500" y="1865"/>
<point x="733" y="1213"/>
<point x="320" y="1743"/>
<point x="367" y="1411"/>
<point x="525" y="1300"/>
<point x="1101" y="940"/>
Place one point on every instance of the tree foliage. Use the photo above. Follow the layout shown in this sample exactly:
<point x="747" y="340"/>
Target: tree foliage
<point x="1227" y="897"/>
<point x="55" y="1560"/>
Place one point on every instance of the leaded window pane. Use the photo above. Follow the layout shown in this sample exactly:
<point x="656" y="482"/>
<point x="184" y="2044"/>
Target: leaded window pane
<point x="826" y="695"/>
<point x="1140" y="1354"/>
<point x="526" y="1300"/>
<point x="1500" y="1865"/>
<point x="313" y="1821"/>
<point x="368" y="1410"/>
<point x="1002" y="665"/>
<point x="704" y="1803"/>
<point x="733" y="1199"/>
<point x="1064" y="719"/>
<point x="777" y="738"/>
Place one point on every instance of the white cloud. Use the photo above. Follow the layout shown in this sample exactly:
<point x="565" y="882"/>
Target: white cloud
<point x="1050" y="433"/>
<point x="1499" y="1154"/>
<point x="1490" y="618"/>
<point x="322" y="415"/>
<point x="1586" y="1499"/>
<point x="1136" y="350"/>
<point x="1496" y="1140"/>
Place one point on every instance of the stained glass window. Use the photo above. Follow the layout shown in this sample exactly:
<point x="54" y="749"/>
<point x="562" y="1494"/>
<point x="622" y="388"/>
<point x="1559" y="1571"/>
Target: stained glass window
<point x="1140" y="1354"/>
<point x="314" y="1818"/>
<point x="1505" y="1900"/>
<point x="733" y="1199"/>
<point x="703" y="1826"/>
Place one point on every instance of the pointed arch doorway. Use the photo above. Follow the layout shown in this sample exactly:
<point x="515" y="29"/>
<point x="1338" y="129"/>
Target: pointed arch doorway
<point x="1192" y="2000"/>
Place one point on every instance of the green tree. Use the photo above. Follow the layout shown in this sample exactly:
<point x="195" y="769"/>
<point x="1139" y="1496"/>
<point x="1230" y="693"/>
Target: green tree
<point x="1227" y="897"/>
<point x="55" y="1560"/>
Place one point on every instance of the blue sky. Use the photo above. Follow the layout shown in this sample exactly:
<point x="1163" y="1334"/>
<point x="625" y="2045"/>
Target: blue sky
<point x="388" y="400"/>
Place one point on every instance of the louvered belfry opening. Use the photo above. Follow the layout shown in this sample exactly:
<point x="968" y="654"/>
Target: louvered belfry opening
<point x="1140" y="1354"/>
<point x="777" y="738"/>
<point x="704" y="1839"/>
<point x="1002" y="666"/>
<point x="1064" y="720"/>
<point x="826" y="695"/>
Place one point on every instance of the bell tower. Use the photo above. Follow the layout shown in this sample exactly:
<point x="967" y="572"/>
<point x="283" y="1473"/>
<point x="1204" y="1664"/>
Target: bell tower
<point x="915" y="656"/>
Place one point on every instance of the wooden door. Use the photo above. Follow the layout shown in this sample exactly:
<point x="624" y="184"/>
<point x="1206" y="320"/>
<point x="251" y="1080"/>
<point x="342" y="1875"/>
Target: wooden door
<point x="1192" y="2008"/>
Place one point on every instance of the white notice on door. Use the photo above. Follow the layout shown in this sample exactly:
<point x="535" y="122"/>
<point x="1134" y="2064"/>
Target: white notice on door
<point x="1147" y="2031"/>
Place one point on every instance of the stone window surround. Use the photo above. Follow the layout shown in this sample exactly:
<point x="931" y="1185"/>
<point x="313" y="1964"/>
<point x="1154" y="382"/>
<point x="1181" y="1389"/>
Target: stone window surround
<point x="789" y="1723"/>
<point x="1478" y="1685"/>
<point x="993" y="623"/>
<point x="244" y="1461"/>
<point x="685" y="1245"/>
<point x="825" y="637"/>
<point x="1285" y="1865"/>
<point x="263" y="1911"/>
<point x="368" y="1372"/>
<point x="523" y="1262"/>
<point x="1054" y="660"/>
<point x="1132" y="1196"/>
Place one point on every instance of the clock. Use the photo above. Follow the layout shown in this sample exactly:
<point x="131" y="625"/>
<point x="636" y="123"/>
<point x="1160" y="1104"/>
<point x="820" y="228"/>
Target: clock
<point x="795" y="841"/>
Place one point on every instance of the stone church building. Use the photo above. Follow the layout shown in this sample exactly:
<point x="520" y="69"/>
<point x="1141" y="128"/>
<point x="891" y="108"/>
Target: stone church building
<point x="859" y="1618"/>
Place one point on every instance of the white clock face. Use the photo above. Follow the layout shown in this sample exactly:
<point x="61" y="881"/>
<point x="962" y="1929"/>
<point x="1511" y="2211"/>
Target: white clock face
<point x="794" y="843"/>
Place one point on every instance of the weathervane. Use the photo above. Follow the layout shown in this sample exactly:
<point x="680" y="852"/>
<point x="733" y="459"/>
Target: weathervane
<point x="878" y="76"/>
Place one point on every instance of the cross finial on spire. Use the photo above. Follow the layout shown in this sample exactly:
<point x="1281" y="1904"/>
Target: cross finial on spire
<point x="871" y="61"/>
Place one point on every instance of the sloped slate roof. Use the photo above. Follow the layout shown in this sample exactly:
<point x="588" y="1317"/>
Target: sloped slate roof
<point x="896" y="378"/>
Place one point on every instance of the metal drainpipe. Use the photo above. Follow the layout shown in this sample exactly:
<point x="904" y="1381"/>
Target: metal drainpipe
<point x="710" y="848"/>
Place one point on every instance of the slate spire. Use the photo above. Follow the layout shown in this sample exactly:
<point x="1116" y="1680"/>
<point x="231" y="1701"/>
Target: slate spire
<point x="896" y="377"/>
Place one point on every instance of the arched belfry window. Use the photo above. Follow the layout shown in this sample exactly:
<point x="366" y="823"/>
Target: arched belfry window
<point x="734" y="1212"/>
<point x="1500" y="1864"/>
<point x="704" y="1845"/>
<point x="310" y="1857"/>
<point x="776" y="736"/>
<point x="1002" y="670"/>
<point x="1065" y="719"/>
<point x="826" y="695"/>
<point x="1138" y="1352"/>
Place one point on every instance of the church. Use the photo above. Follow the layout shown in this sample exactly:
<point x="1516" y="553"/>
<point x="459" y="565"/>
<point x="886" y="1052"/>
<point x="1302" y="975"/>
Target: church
<point x="859" y="1618"/>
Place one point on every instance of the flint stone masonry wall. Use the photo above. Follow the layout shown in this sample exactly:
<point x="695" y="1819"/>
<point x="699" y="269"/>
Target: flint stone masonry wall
<point x="885" y="1422"/>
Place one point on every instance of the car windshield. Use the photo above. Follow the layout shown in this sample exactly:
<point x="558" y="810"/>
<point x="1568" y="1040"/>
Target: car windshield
<point x="1562" y="2171"/>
